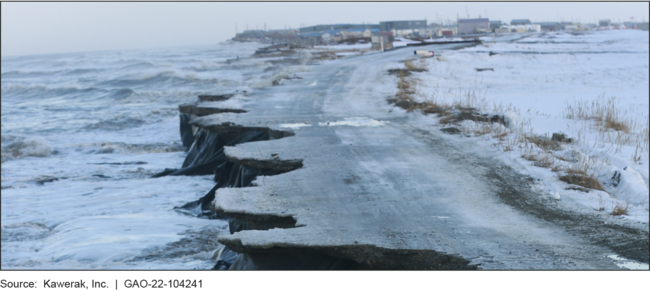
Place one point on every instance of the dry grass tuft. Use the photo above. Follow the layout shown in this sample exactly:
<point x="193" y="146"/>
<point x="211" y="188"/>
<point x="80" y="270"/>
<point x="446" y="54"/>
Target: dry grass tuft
<point x="583" y="173"/>
<point x="601" y="204"/>
<point x="447" y="119"/>
<point x="557" y="168"/>
<point x="544" y="161"/>
<point x="603" y="111"/>
<point x="637" y="154"/>
<point x="500" y="136"/>
<point x="581" y="178"/>
<point x="528" y="154"/>
<point x="544" y="142"/>
<point x="408" y="88"/>
<point x="413" y="66"/>
<point x="482" y="128"/>
<point x="616" y="125"/>
<point x="539" y="159"/>
<point x="620" y="209"/>
<point x="510" y="144"/>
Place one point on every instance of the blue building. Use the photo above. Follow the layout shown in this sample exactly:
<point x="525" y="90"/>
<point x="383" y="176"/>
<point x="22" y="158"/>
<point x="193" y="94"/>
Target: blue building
<point x="520" y="22"/>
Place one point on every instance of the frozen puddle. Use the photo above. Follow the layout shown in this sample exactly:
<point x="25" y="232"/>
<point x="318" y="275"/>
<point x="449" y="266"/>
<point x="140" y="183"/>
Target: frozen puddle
<point x="628" y="264"/>
<point x="349" y="121"/>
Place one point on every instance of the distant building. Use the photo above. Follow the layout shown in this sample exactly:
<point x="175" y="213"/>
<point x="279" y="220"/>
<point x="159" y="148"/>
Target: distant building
<point x="377" y="42"/>
<point x="280" y="31"/>
<point x="325" y="27"/>
<point x="630" y="24"/>
<point x="534" y="27"/>
<point x="359" y="32"/>
<point x="326" y="37"/>
<point x="549" y="26"/>
<point x="430" y="32"/>
<point x="589" y="26"/>
<point x="317" y="36"/>
<point x="404" y="27"/>
<point x="249" y="35"/>
<point x="520" y="22"/>
<point x="494" y="24"/>
<point x="571" y="25"/>
<point x="448" y="31"/>
<point x="604" y="22"/>
<point x="478" y="25"/>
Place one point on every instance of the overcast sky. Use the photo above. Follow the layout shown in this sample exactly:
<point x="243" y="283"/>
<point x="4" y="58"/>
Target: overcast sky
<point x="43" y="28"/>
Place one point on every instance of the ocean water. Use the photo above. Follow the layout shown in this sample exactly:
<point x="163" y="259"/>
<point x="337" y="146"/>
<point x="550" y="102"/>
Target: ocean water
<point x="81" y="135"/>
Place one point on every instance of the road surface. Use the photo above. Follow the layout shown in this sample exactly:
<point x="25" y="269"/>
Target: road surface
<point x="388" y="190"/>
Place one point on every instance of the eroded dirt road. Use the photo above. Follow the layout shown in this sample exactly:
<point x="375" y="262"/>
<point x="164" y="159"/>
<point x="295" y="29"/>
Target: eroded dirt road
<point x="384" y="189"/>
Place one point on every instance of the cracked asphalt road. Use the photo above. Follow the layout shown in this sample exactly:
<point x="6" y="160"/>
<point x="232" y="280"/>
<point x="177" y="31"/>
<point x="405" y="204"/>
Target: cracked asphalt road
<point x="377" y="181"/>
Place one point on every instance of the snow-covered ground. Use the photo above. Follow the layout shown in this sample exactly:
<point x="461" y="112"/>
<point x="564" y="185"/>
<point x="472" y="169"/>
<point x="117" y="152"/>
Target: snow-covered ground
<point x="444" y="39"/>
<point x="559" y="82"/>
<point x="399" y="42"/>
<point x="344" y="46"/>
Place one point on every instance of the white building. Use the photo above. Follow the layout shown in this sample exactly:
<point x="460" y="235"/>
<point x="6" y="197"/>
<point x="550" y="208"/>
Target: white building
<point x="326" y="37"/>
<point x="469" y="26"/>
<point x="534" y="27"/>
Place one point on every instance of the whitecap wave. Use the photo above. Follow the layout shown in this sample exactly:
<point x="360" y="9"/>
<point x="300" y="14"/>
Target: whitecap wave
<point x="25" y="148"/>
<point x="118" y="122"/>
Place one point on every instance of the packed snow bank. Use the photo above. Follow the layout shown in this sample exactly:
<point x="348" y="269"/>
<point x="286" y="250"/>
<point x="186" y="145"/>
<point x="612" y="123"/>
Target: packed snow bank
<point x="592" y="87"/>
